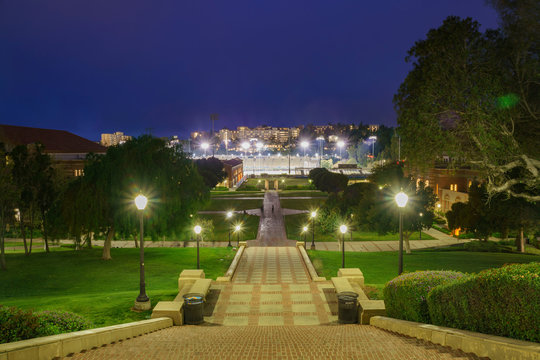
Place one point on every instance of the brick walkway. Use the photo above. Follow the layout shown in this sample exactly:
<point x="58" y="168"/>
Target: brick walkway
<point x="272" y="342"/>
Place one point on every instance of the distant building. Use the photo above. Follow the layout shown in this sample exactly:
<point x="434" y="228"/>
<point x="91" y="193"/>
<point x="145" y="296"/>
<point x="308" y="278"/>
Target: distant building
<point x="450" y="186"/>
<point x="114" y="139"/>
<point x="235" y="172"/>
<point x="67" y="150"/>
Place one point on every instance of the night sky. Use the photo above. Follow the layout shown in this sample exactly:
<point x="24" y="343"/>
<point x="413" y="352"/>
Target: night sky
<point x="98" y="66"/>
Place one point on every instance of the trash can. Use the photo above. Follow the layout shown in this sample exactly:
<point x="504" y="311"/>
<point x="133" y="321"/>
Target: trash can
<point x="193" y="309"/>
<point x="347" y="307"/>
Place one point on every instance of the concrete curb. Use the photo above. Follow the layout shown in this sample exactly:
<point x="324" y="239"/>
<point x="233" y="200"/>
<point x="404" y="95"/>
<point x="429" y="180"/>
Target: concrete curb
<point x="482" y="345"/>
<point x="234" y="264"/>
<point x="307" y="261"/>
<point x="61" y="345"/>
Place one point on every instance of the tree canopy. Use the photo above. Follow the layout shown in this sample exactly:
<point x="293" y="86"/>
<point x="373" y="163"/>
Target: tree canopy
<point x="475" y="97"/>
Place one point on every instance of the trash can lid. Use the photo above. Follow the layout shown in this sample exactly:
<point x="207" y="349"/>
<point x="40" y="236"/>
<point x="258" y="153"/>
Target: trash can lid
<point x="347" y="294"/>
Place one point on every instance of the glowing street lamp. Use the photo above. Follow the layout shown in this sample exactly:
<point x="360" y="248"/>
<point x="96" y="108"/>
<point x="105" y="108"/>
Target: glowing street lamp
<point x="229" y="216"/>
<point x="142" y="302"/>
<point x="304" y="230"/>
<point x="401" y="200"/>
<point x="245" y="146"/>
<point x="340" y="145"/>
<point x="304" y="145"/>
<point x="197" y="229"/>
<point x="205" y="147"/>
<point x="343" y="230"/>
<point x="313" y="215"/>
<point x="421" y="215"/>
<point x="237" y="229"/>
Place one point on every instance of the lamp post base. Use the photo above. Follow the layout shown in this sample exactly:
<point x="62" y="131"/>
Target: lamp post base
<point x="312" y="246"/>
<point x="142" y="305"/>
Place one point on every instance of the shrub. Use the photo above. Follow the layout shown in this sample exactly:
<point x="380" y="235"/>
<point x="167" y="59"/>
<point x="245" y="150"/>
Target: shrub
<point x="405" y="296"/>
<point x="503" y="301"/>
<point x="486" y="246"/>
<point x="17" y="324"/>
<point x="63" y="321"/>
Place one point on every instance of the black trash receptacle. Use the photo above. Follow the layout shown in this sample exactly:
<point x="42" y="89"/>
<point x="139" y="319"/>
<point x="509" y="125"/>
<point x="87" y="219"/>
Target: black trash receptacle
<point x="193" y="309"/>
<point x="347" y="307"/>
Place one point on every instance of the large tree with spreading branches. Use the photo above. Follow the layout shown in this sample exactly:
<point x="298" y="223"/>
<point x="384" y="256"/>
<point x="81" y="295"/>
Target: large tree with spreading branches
<point x="475" y="97"/>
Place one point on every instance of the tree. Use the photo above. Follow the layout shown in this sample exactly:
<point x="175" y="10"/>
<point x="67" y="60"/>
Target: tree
<point x="211" y="170"/>
<point x="383" y="214"/>
<point x="475" y="97"/>
<point x="22" y="177"/>
<point x="8" y="194"/>
<point x="142" y="165"/>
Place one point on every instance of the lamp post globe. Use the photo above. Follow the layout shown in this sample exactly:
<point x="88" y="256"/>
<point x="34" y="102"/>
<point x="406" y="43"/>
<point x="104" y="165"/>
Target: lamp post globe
<point x="401" y="201"/>
<point x="304" y="230"/>
<point x="142" y="302"/>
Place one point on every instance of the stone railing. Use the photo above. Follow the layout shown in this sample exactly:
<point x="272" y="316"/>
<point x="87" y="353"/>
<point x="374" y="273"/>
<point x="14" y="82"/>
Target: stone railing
<point x="50" y="347"/>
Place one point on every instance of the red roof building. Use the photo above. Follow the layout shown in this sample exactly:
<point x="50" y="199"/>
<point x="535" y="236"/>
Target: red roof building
<point x="68" y="150"/>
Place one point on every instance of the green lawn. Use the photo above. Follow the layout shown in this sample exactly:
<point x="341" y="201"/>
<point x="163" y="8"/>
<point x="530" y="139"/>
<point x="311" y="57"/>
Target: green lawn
<point x="233" y="204"/>
<point x="301" y="204"/>
<point x="381" y="267"/>
<point x="250" y="225"/>
<point x="102" y="291"/>
<point x="295" y="223"/>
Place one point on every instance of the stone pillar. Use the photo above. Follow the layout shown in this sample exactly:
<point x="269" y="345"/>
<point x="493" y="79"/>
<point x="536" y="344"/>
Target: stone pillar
<point x="276" y="184"/>
<point x="266" y="185"/>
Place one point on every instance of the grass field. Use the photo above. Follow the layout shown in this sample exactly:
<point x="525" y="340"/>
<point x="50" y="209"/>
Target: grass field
<point x="301" y="204"/>
<point x="295" y="223"/>
<point x="250" y="225"/>
<point x="102" y="291"/>
<point x="381" y="267"/>
<point x="233" y="204"/>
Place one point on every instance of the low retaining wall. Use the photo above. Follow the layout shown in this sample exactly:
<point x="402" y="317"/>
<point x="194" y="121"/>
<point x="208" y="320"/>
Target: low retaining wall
<point x="234" y="264"/>
<point x="50" y="347"/>
<point x="482" y="345"/>
<point x="311" y="269"/>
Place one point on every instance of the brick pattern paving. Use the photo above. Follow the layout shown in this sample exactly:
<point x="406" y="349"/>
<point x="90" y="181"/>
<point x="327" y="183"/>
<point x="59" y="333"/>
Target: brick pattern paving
<point x="272" y="287"/>
<point x="273" y="342"/>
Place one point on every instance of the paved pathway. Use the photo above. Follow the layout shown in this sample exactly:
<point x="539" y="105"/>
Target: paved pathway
<point x="271" y="227"/>
<point x="272" y="342"/>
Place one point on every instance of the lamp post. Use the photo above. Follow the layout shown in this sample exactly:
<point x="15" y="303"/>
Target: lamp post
<point x="313" y="215"/>
<point x="401" y="200"/>
<point x="197" y="230"/>
<point x="304" y="230"/>
<point x="343" y="230"/>
<point x="142" y="302"/>
<point x="229" y="216"/>
<point x="205" y="146"/>
<point x="237" y="231"/>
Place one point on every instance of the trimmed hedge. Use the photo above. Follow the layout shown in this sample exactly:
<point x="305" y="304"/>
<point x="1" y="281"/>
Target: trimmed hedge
<point x="405" y="296"/>
<point x="17" y="324"/>
<point x="503" y="301"/>
<point x="486" y="246"/>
